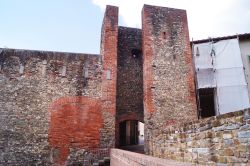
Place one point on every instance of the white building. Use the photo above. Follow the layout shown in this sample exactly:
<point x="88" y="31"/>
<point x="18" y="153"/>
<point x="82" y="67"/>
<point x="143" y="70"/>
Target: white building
<point x="222" y="74"/>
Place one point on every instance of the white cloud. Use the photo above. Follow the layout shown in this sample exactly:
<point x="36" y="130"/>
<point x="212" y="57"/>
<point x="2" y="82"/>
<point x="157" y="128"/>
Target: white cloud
<point x="206" y="17"/>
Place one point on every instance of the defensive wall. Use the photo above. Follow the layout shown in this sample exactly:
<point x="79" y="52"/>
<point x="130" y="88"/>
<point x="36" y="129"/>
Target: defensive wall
<point x="56" y="106"/>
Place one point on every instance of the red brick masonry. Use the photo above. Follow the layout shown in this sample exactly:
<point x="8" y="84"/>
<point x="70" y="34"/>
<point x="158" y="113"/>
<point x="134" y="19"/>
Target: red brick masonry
<point x="71" y="124"/>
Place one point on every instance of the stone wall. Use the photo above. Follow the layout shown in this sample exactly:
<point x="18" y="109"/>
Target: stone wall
<point x="129" y="76"/>
<point x="54" y="106"/>
<point x="224" y="140"/>
<point x="168" y="78"/>
<point x="41" y="102"/>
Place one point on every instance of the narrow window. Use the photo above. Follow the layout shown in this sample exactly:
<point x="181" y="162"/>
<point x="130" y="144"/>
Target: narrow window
<point x="85" y="72"/>
<point x="44" y="68"/>
<point x="164" y="35"/>
<point x="108" y="75"/>
<point x="64" y="71"/>
<point x="21" y="69"/>
<point x="136" y="53"/>
<point x="44" y="62"/>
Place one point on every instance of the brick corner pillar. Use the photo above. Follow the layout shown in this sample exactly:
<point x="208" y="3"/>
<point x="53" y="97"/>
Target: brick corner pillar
<point x="168" y="78"/>
<point x="109" y="40"/>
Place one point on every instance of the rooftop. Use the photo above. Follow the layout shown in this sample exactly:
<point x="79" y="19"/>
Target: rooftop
<point x="240" y="36"/>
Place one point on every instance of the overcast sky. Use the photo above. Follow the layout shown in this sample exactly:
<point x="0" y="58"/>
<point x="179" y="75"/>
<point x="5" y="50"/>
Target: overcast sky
<point x="74" y="25"/>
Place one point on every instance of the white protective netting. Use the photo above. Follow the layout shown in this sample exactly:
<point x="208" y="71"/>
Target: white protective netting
<point x="227" y="54"/>
<point x="219" y="65"/>
<point x="230" y="77"/>
<point x="232" y="98"/>
<point x="205" y="78"/>
<point x="203" y="60"/>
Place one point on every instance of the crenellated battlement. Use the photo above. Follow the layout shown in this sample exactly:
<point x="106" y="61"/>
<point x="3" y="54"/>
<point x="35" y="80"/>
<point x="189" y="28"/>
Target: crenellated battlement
<point x="25" y="63"/>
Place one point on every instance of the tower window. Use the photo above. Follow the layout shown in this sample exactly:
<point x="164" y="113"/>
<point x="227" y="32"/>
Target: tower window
<point x="85" y="72"/>
<point x="136" y="53"/>
<point x="164" y="35"/>
<point x="108" y="75"/>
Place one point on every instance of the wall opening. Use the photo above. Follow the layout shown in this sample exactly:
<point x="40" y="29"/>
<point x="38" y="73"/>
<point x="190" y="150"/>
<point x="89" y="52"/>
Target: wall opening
<point x="131" y="133"/>
<point x="136" y="53"/>
<point x="108" y="75"/>
<point x="207" y="104"/>
<point x="164" y="35"/>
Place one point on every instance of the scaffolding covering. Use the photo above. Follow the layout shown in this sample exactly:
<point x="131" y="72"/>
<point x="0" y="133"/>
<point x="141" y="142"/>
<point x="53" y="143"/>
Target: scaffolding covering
<point x="206" y="78"/>
<point x="219" y="65"/>
<point x="232" y="98"/>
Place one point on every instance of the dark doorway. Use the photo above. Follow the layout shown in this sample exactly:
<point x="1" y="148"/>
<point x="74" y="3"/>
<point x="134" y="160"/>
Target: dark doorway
<point x="207" y="106"/>
<point x="131" y="133"/>
<point x="123" y="133"/>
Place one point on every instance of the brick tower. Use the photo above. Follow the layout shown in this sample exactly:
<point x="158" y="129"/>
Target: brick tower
<point x="169" y="92"/>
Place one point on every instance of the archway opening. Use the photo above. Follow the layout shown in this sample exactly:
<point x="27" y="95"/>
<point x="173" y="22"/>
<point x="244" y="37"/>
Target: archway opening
<point x="131" y="135"/>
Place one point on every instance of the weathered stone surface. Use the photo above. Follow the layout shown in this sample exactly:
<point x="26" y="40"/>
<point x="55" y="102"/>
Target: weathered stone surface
<point x="227" y="136"/>
<point x="245" y="127"/>
<point x="169" y="95"/>
<point x="109" y="40"/>
<point x="247" y="115"/>
<point x="129" y="77"/>
<point x="25" y="99"/>
<point x="129" y="71"/>
<point x="228" y="152"/>
<point x="244" y="134"/>
<point x="224" y="143"/>
<point x="49" y="100"/>
<point x="200" y="150"/>
<point x="228" y="142"/>
<point x="61" y="108"/>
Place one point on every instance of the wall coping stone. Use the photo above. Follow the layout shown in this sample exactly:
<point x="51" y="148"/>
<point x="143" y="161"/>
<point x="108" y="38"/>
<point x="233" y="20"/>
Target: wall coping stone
<point x="205" y="124"/>
<point x="131" y="158"/>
